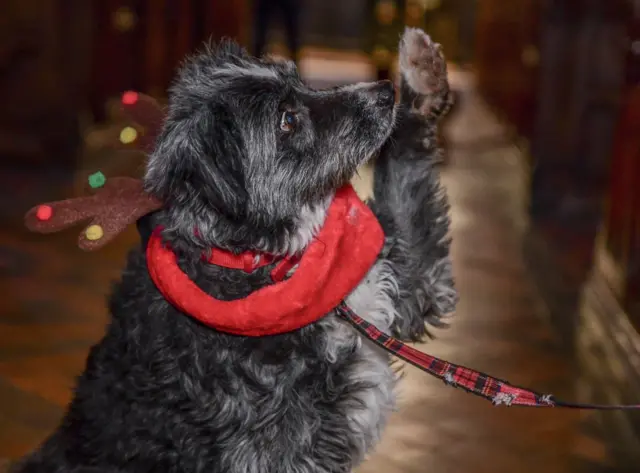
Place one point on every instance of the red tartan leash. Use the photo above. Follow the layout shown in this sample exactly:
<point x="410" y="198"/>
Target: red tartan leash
<point x="497" y="391"/>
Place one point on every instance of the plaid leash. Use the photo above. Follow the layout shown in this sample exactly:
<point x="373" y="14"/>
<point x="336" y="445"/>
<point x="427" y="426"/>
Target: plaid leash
<point x="479" y="384"/>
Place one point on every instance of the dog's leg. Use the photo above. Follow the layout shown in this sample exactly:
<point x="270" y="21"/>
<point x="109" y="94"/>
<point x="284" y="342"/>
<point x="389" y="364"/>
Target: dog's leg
<point x="408" y="199"/>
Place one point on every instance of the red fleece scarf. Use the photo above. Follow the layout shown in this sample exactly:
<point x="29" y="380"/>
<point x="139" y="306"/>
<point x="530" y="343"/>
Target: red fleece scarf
<point x="330" y="268"/>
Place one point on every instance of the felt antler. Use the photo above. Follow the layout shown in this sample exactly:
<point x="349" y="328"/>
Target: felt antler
<point x="117" y="203"/>
<point x="146" y="112"/>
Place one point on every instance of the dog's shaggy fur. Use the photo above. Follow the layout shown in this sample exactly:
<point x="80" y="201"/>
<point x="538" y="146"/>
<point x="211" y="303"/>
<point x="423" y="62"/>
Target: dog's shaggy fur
<point x="251" y="157"/>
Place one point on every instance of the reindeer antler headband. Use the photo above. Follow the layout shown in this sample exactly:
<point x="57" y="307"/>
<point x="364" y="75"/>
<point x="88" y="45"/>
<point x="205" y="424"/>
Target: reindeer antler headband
<point x="117" y="202"/>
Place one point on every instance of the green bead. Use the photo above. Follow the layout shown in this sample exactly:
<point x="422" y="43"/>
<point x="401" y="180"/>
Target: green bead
<point x="97" y="180"/>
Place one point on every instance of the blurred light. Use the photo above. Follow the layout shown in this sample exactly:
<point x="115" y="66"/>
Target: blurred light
<point x="128" y="135"/>
<point x="124" y="19"/>
<point x="530" y="56"/>
<point x="381" y="56"/>
<point x="386" y="12"/>
<point x="431" y="4"/>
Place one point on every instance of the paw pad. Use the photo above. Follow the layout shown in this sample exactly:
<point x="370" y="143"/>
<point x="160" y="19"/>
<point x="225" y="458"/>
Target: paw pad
<point x="422" y="63"/>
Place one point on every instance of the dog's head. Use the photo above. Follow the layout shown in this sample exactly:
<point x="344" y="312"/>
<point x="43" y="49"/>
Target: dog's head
<point x="251" y="156"/>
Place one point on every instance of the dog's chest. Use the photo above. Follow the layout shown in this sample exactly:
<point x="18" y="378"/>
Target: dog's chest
<point x="373" y="300"/>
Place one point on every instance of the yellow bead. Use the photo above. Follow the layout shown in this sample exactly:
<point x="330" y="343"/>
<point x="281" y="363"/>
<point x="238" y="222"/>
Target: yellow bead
<point x="94" y="232"/>
<point x="128" y="135"/>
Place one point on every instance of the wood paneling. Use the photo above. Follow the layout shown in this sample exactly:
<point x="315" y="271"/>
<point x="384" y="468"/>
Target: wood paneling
<point x="157" y="37"/>
<point x="507" y="58"/>
<point x="43" y="81"/>
<point x="117" y="37"/>
<point x="228" y="19"/>
<point x="622" y="234"/>
<point x="577" y="100"/>
<point x="138" y="44"/>
<point x="182" y="17"/>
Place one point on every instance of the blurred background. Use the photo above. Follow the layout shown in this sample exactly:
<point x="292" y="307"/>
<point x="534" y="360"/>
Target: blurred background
<point x="542" y="169"/>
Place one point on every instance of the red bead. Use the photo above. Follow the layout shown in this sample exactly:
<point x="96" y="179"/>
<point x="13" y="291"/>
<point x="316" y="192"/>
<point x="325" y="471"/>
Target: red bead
<point x="130" y="97"/>
<point x="44" y="212"/>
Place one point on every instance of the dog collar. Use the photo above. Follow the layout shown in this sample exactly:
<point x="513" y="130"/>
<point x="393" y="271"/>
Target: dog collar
<point x="333" y="264"/>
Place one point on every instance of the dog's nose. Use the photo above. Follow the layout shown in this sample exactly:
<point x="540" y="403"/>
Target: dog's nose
<point x="385" y="94"/>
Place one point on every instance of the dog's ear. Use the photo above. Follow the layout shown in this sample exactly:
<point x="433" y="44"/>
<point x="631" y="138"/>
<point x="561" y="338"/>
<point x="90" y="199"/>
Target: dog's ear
<point x="198" y="160"/>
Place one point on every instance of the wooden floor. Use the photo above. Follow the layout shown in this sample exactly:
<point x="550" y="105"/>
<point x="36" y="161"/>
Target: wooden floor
<point x="52" y="309"/>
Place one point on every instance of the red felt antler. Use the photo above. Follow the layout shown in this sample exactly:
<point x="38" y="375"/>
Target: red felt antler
<point x="118" y="202"/>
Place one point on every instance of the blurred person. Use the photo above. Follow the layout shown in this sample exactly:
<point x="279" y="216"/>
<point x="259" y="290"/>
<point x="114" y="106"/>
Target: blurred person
<point x="264" y="11"/>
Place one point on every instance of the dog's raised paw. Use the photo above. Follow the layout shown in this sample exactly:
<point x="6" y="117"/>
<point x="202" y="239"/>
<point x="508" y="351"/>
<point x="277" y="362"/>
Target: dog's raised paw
<point x="422" y="62"/>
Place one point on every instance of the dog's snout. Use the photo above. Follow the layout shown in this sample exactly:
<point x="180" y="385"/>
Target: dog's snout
<point x="383" y="92"/>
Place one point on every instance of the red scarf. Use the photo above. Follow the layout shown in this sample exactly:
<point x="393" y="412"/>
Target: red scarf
<point x="330" y="268"/>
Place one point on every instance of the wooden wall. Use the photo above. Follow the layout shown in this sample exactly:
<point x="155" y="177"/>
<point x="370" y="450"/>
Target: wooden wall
<point x="139" y="43"/>
<point x="609" y="347"/>
<point x="59" y="58"/>
<point x="507" y="58"/>
<point x="554" y="69"/>
<point x="330" y="24"/>
<point x="622" y="225"/>
<point x="43" y="78"/>
<point x="583" y="241"/>
<point x="579" y="91"/>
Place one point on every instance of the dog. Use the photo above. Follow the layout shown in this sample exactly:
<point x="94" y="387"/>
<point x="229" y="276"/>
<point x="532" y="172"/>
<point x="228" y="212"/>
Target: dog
<point x="251" y="157"/>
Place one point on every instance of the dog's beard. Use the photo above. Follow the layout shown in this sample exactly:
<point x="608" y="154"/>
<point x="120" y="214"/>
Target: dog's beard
<point x="288" y="237"/>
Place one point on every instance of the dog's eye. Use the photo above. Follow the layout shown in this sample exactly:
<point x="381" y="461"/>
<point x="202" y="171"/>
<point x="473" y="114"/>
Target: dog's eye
<point x="288" y="121"/>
